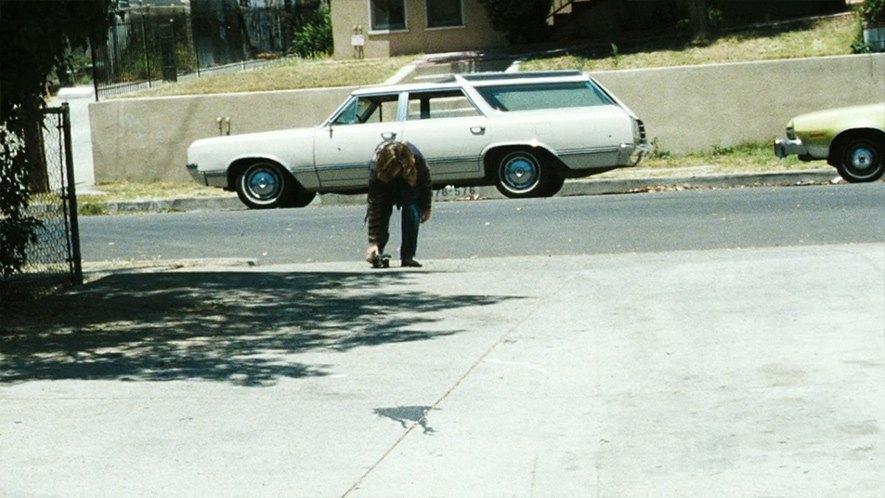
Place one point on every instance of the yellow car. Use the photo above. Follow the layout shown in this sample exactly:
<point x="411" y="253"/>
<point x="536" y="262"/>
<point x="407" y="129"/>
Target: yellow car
<point x="852" y="139"/>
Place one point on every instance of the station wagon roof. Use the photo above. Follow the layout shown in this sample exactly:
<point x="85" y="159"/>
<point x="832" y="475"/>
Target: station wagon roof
<point x="477" y="79"/>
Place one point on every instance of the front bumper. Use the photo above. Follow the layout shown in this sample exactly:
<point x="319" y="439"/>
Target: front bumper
<point x="207" y="178"/>
<point x="784" y="148"/>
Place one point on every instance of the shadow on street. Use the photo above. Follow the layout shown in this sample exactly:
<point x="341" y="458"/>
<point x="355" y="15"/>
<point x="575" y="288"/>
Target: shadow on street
<point x="236" y="327"/>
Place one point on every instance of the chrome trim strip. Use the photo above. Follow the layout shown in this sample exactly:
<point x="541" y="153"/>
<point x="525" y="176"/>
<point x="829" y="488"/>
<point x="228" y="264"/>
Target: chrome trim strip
<point x="587" y="150"/>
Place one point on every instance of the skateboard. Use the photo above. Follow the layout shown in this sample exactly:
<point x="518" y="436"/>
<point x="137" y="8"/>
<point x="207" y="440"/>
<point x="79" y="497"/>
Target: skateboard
<point x="381" y="261"/>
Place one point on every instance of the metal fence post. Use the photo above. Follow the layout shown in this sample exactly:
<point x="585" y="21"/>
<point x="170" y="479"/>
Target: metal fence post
<point x="147" y="56"/>
<point x="76" y="257"/>
<point x="93" y="59"/>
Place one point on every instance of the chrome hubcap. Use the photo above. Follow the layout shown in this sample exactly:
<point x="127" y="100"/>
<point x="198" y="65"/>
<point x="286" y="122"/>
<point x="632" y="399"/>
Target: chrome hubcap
<point x="263" y="184"/>
<point x="861" y="158"/>
<point x="520" y="173"/>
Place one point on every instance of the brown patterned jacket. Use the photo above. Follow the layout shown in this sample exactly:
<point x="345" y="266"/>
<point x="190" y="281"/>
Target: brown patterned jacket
<point x="383" y="196"/>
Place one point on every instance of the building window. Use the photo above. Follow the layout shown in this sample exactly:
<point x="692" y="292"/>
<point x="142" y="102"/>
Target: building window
<point x="444" y="13"/>
<point x="388" y="15"/>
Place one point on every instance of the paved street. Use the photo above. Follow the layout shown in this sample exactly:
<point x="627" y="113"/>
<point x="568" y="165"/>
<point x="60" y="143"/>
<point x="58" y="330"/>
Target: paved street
<point x="726" y="372"/>
<point x="668" y="221"/>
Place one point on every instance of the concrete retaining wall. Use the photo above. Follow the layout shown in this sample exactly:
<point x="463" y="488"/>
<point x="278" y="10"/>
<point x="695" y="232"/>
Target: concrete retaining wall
<point x="146" y="139"/>
<point x="695" y="108"/>
<point x="685" y="109"/>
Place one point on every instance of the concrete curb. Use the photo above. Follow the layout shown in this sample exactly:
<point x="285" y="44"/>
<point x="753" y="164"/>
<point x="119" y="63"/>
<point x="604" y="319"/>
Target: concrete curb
<point x="571" y="188"/>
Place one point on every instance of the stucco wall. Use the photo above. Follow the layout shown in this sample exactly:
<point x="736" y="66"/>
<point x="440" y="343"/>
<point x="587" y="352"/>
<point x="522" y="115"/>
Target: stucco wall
<point x="694" y="108"/>
<point x="686" y="109"/>
<point x="146" y="139"/>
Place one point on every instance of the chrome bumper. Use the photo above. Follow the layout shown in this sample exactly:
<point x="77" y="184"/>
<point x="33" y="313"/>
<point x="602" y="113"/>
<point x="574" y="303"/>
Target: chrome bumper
<point x="632" y="154"/>
<point x="208" y="178"/>
<point x="784" y="148"/>
<point x="195" y="173"/>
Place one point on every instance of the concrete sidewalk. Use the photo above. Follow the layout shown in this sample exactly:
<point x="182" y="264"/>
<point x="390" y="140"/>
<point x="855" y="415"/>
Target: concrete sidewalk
<point x="748" y="372"/>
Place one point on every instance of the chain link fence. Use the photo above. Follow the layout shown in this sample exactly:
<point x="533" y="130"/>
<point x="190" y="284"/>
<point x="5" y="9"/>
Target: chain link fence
<point x="54" y="260"/>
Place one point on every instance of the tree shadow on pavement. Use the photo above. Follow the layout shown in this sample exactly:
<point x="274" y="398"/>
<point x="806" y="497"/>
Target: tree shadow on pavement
<point x="236" y="327"/>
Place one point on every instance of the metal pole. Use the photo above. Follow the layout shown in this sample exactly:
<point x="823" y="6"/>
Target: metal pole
<point x="94" y="72"/>
<point x="147" y="57"/>
<point x="76" y="256"/>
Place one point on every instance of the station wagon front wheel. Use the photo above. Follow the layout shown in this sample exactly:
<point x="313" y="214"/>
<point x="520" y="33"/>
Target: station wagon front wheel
<point x="862" y="160"/>
<point x="263" y="185"/>
<point x="520" y="175"/>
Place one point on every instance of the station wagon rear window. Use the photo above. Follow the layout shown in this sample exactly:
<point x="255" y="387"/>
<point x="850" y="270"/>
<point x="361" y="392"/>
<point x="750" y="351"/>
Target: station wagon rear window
<point x="544" y="96"/>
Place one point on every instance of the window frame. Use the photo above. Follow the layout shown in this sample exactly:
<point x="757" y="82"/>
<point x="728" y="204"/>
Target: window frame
<point x="377" y="103"/>
<point x="488" y="94"/>
<point x="428" y="27"/>
<point x="375" y="30"/>
<point x="441" y="93"/>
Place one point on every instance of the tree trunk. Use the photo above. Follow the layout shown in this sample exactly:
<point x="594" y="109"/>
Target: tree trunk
<point x="38" y="176"/>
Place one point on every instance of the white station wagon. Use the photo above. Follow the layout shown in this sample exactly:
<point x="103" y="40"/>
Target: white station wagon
<point x="522" y="132"/>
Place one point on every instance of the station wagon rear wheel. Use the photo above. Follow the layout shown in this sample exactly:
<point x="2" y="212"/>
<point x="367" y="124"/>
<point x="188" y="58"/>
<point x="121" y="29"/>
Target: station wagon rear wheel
<point x="263" y="185"/>
<point x="861" y="160"/>
<point x="521" y="174"/>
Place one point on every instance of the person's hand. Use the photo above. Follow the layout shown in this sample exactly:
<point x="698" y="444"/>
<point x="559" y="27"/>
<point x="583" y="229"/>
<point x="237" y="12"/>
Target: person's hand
<point x="371" y="252"/>
<point x="425" y="216"/>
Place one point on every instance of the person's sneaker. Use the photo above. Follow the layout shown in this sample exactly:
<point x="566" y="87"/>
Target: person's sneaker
<point x="411" y="263"/>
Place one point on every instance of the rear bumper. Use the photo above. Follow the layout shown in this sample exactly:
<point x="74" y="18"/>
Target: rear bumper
<point x="632" y="154"/>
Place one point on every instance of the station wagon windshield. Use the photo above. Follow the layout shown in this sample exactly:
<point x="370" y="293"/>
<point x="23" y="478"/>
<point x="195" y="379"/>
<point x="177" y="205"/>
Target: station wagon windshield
<point x="544" y="96"/>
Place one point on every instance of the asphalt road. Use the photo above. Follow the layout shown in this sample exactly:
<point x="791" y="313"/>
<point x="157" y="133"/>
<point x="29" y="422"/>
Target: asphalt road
<point x="655" y="222"/>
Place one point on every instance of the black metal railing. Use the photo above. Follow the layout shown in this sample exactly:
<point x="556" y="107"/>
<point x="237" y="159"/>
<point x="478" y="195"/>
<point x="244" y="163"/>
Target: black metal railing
<point x="147" y="47"/>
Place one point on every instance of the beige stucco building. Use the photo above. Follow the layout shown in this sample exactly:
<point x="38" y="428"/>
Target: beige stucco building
<point x="382" y="28"/>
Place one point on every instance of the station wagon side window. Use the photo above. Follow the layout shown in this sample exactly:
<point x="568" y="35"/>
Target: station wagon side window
<point x="440" y="104"/>
<point x="368" y="109"/>
<point x="544" y="96"/>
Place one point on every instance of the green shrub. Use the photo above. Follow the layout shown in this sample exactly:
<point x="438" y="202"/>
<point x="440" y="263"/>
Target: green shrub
<point x="870" y="13"/>
<point x="17" y="227"/>
<point x="873" y="11"/>
<point x="314" y="38"/>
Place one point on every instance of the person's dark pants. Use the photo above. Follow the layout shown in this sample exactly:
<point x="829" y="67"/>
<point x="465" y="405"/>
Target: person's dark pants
<point x="411" y="221"/>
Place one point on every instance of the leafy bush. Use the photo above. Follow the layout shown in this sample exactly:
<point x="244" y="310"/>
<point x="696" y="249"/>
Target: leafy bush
<point x="17" y="228"/>
<point x="314" y="38"/>
<point x="870" y="14"/>
<point x="873" y="11"/>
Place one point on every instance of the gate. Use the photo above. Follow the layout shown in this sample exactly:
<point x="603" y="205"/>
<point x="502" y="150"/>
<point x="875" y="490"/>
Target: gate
<point x="54" y="260"/>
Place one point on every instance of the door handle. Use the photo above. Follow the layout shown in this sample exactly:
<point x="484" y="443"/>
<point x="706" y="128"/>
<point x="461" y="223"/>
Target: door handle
<point x="478" y="130"/>
<point x="389" y="135"/>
